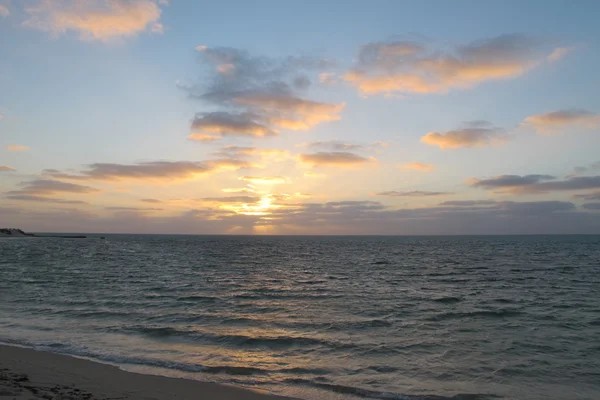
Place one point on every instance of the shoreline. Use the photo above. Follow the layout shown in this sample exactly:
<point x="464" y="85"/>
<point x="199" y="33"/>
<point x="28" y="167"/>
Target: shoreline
<point x="28" y="374"/>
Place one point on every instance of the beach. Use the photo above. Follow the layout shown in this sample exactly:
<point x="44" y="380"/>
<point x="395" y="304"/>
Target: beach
<point x="27" y="374"/>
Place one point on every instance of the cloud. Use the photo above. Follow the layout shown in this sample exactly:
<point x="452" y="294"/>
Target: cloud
<point x="132" y="209"/>
<point x="417" y="166"/>
<point x="537" y="183"/>
<point x="328" y="79"/>
<point x="211" y="126"/>
<point x="340" y="217"/>
<point x="246" y="151"/>
<point x="152" y="170"/>
<point x="468" y="203"/>
<point x="334" y="145"/>
<point x="334" y="158"/>
<point x="4" y="12"/>
<point x="233" y="199"/>
<point x="592" y="206"/>
<point x="238" y="190"/>
<point x="559" y="53"/>
<point x="151" y="201"/>
<point x="27" y="197"/>
<point x="257" y="96"/>
<point x="264" y="180"/>
<point x="411" y="67"/>
<point x="46" y="187"/>
<point x="587" y="196"/>
<point x="414" y="193"/>
<point x="555" y="121"/>
<point x="473" y="134"/>
<point x="6" y="168"/>
<point x="102" y="20"/>
<point x="17" y="147"/>
<point x="200" y="137"/>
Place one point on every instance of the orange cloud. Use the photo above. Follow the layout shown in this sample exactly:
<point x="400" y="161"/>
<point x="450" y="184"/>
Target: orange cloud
<point x="417" y="166"/>
<point x="6" y="168"/>
<point x="473" y="134"/>
<point x="408" y="67"/>
<point x="201" y="137"/>
<point x="17" y="147"/>
<point x="553" y="122"/>
<point x="102" y="20"/>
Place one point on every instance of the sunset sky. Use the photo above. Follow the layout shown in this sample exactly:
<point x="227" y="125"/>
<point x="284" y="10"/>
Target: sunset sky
<point x="300" y="117"/>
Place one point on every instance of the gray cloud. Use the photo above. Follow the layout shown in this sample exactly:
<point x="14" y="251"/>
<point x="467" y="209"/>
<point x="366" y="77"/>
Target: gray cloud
<point x="151" y="201"/>
<point x="41" y="199"/>
<point x="412" y="67"/>
<point x="334" y="158"/>
<point x="152" y="170"/>
<point x="334" y="145"/>
<point x="256" y="95"/>
<point x="343" y="217"/>
<point x="472" y="134"/>
<point x="587" y="196"/>
<point x="592" y="206"/>
<point x="538" y="183"/>
<point x="215" y="124"/>
<point x="468" y="203"/>
<point x="555" y="121"/>
<point x="413" y="193"/>
<point x="44" y="187"/>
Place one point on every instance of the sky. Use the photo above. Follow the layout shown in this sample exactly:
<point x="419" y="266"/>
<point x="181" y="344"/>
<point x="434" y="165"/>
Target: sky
<point x="300" y="117"/>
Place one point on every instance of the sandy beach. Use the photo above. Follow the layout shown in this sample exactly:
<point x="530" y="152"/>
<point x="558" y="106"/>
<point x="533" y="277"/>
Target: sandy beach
<point x="27" y="374"/>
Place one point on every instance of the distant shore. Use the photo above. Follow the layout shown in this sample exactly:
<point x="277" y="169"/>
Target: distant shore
<point x="27" y="374"/>
<point x="12" y="232"/>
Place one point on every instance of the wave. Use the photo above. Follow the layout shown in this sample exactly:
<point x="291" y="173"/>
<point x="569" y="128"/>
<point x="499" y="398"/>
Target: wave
<point x="502" y="313"/>
<point x="81" y="351"/>
<point x="235" y="340"/>
<point x="447" y="300"/>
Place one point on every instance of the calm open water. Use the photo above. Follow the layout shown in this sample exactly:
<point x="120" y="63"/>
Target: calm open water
<point x="320" y="317"/>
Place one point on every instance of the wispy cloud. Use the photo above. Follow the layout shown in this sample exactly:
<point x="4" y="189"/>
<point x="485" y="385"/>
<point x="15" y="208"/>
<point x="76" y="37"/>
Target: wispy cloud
<point x="4" y="12"/>
<point x="472" y="134"/>
<point x="48" y="187"/>
<point x="412" y="67"/>
<point x="417" y="166"/>
<point x="334" y="158"/>
<point x="559" y="53"/>
<point x="536" y="183"/>
<point x="118" y="208"/>
<point x="151" y="201"/>
<point x="587" y="196"/>
<point x="413" y="193"/>
<point x="102" y="20"/>
<point x="152" y="170"/>
<point x="6" y="168"/>
<point x="17" y="147"/>
<point x="557" y="121"/>
<point x="42" y="199"/>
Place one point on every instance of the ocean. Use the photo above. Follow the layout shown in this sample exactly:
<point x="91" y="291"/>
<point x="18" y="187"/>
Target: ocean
<point x="480" y="317"/>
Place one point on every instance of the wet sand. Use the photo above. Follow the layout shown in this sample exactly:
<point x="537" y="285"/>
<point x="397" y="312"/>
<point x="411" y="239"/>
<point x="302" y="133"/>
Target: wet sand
<point x="27" y="374"/>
